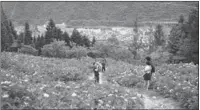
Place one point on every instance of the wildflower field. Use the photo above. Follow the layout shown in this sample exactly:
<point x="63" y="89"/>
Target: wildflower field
<point x="33" y="82"/>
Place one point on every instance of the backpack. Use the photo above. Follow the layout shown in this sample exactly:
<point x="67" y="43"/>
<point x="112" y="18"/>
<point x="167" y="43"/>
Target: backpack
<point x="98" y="66"/>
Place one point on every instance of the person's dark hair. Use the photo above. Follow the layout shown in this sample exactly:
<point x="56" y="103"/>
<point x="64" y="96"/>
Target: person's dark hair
<point x="148" y="58"/>
<point x="148" y="63"/>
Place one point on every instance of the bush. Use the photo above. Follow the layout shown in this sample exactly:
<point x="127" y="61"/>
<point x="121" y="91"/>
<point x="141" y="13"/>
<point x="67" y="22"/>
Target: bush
<point x="27" y="49"/>
<point x="76" y="52"/>
<point x="114" y="52"/>
<point x="55" y="49"/>
<point x="59" y="50"/>
<point x="95" y="54"/>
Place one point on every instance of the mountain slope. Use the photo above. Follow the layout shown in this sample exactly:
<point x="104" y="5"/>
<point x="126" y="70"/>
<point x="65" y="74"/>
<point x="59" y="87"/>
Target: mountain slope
<point x="82" y="13"/>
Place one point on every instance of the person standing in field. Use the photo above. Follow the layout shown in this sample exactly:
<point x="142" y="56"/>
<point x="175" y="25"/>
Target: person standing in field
<point x="149" y="69"/>
<point x="97" y="68"/>
<point x="104" y="65"/>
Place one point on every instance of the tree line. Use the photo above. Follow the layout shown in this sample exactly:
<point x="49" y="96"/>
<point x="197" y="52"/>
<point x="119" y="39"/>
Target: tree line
<point x="9" y="34"/>
<point x="183" y="39"/>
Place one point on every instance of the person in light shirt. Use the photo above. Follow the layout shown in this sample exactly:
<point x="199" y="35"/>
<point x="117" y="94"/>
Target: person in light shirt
<point x="148" y="74"/>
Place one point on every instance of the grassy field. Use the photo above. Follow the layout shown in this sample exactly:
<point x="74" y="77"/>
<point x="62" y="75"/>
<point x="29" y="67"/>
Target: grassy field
<point x="41" y="82"/>
<point x="38" y="82"/>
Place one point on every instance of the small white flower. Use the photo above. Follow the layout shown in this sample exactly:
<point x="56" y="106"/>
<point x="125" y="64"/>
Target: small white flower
<point x="74" y="94"/>
<point x="6" y="82"/>
<point x="134" y="98"/>
<point x="100" y="101"/>
<point x="110" y="94"/>
<point x="5" y="96"/>
<point x="26" y="80"/>
<point x="46" y="95"/>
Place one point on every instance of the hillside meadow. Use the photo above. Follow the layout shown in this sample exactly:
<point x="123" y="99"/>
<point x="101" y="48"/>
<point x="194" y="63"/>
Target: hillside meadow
<point x="35" y="82"/>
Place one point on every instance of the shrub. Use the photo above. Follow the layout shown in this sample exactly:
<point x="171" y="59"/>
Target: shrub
<point x="76" y="52"/>
<point x="55" y="49"/>
<point x="58" y="49"/>
<point x="27" y="49"/>
<point x="129" y="81"/>
<point x="95" y="54"/>
<point x="114" y="52"/>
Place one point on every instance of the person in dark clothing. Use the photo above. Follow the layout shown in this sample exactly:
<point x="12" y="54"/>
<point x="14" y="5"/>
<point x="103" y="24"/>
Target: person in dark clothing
<point x="147" y="75"/>
<point x="97" y="68"/>
<point x="149" y="69"/>
<point x="104" y="65"/>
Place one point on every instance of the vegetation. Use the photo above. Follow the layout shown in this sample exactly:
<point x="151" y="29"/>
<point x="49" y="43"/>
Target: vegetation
<point x="44" y="83"/>
<point x="184" y="38"/>
<point x="61" y="81"/>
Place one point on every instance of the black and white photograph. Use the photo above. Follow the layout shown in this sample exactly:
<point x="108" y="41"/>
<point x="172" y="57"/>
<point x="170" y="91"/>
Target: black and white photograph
<point x="99" y="55"/>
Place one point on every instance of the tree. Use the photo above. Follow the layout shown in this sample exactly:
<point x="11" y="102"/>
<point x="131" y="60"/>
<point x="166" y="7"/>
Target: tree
<point x="34" y="39"/>
<point x="51" y="32"/>
<point x="136" y="44"/>
<point x="181" y="19"/>
<point x="93" y="41"/>
<point x="21" y="37"/>
<point x="113" y="40"/>
<point x="57" y="33"/>
<point x="184" y="38"/>
<point x="86" y="41"/>
<point x="76" y="37"/>
<point x="66" y="38"/>
<point x="7" y="32"/>
<point x="159" y="36"/>
<point x="27" y="35"/>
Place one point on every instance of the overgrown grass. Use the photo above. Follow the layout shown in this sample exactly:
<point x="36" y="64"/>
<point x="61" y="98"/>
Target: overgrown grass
<point x="57" y="83"/>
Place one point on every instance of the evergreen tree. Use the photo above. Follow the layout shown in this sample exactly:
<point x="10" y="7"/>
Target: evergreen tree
<point x="42" y="41"/>
<point x="135" y="45"/>
<point x="51" y="32"/>
<point x="184" y="37"/>
<point x="159" y="35"/>
<point x="21" y="37"/>
<point x="27" y="35"/>
<point x="66" y="38"/>
<point x="86" y="41"/>
<point x="76" y="37"/>
<point x="93" y="41"/>
<point x="34" y="39"/>
<point x="37" y="43"/>
<point x="7" y="29"/>
<point x="181" y="19"/>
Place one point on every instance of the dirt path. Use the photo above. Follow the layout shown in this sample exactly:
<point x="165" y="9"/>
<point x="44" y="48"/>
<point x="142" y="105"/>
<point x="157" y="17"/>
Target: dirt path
<point x="152" y="100"/>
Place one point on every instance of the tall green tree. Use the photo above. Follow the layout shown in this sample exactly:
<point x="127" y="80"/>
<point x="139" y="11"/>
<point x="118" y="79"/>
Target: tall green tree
<point x="66" y="38"/>
<point x="51" y="32"/>
<point x="159" y="35"/>
<point x="181" y="19"/>
<point x="27" y="35"/>
<point x="76" y="37"/>
<point x="136" y="44"/>
<point x="21" y="37"/>
<point x="184" y="37"/>
<point x="86" y="41"/>
<point x="93" y="41"/>
<point x="8" y="34"/>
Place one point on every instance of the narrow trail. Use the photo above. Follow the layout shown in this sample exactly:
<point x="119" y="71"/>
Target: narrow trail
<point x="152" y="99"/>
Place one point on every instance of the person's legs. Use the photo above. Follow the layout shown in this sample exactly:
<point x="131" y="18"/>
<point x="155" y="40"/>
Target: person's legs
<point x="95" y="74"/>
<point x="147" y="84"/>
<point x="98" y="77"/>
<point x="103" y="69"/>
